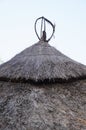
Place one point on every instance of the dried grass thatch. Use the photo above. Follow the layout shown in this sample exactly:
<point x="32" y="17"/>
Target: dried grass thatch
<point x="41" y="62"/>
<point x="43" y="107"/>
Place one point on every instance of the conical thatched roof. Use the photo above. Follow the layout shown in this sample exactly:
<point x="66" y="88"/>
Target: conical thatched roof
<point x="41" y="106"/>
<point x="42" y="62"/>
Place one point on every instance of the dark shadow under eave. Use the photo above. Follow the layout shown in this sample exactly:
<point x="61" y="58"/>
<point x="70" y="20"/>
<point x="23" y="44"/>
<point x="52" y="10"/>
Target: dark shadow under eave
<point x="44" y="81"/>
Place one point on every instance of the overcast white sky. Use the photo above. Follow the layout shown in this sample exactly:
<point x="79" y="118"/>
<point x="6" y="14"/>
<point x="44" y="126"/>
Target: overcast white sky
<point x="17" y="19"/>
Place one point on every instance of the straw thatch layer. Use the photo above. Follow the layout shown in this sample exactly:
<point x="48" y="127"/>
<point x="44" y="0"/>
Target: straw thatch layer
<point x="41" y="62"/>
<point x="45" y="107"/>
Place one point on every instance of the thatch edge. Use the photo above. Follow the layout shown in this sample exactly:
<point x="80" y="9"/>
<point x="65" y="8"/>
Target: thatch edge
<point x="45" y="81"/>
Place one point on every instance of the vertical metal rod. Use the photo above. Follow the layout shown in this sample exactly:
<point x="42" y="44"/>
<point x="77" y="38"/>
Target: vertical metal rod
<point x="41" y="27"/>
<point x="44" y="26"/>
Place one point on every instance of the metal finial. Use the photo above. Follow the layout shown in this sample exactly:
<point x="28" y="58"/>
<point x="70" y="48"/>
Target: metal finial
<point x="43" y="35"/>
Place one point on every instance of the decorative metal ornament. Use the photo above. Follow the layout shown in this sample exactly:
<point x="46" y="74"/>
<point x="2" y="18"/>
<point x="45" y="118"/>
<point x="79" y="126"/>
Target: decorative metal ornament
<point x="43" y="27"/>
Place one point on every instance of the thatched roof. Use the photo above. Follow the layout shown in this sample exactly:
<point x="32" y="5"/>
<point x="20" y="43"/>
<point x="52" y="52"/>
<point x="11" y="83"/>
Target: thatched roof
<point x="51" y="106"/>
<point x="43" y="107"/>
<point x="41" y="62"/>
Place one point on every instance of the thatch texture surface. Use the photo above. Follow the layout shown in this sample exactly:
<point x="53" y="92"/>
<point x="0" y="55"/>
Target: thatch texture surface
<point x="43" y="107"/>
<point x="41" y="62"/>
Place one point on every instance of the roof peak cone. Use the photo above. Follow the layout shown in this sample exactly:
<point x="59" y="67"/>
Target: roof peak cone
<point x="42" y="62"/>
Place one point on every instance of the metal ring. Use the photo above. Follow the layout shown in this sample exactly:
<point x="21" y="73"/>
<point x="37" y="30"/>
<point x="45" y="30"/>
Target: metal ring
<point x="49" y="23"/>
